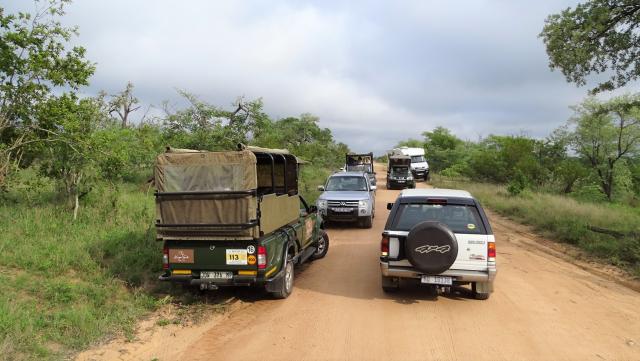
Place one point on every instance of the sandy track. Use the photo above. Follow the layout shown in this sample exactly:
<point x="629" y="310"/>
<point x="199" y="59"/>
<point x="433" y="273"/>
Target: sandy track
<point x="544" y="308"/>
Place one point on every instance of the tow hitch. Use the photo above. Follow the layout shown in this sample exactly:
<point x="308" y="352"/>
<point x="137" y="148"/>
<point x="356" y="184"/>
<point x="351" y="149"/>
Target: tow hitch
<point x="208" y="286"/>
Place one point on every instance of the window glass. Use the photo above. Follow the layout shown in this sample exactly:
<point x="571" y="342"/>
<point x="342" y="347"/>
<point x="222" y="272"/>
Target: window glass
<point x="347" y="184"/>
<point x="460" y="218"/>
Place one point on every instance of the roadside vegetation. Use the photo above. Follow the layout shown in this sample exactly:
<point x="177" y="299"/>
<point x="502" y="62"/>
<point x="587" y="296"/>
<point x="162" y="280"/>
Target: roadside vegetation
<point x="79" y="255"/>
<point x="585" y="224"/>
<point x="579" y="185"/>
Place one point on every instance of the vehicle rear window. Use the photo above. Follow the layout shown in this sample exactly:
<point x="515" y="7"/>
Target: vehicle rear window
<point x="460" y="218"/>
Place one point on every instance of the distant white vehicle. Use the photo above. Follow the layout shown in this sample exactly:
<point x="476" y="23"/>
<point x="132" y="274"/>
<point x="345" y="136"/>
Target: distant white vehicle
<point x="419" y="165"/>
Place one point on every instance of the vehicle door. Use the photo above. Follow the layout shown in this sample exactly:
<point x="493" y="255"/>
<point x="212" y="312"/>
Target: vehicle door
<point x="308" y="220"/>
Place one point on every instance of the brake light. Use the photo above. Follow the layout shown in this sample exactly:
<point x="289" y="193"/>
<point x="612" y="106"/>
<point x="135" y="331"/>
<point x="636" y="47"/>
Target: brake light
<point x="165" y="257"/>
<point x="491" y="251"/>
<point x="440" y="201"/>
<point x="262" y="257"/>
<point x="384" y="246"/>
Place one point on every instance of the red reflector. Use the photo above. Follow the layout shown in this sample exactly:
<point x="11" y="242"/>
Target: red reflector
<point x="384" y="246"/>
<point x="491" y="251"/>
<point x="436" y="201"/>
<point x="165" y="258"/>
<point x="262" y="257"/>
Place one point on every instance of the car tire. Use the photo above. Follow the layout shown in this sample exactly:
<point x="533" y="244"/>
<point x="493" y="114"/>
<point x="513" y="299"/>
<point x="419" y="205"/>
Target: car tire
<point x="322" y="247"/>
<point x="366" y="222"/>
<point x="479" y="295"/>
<point x="390" y="284"/>
<point x="285" y="283"/>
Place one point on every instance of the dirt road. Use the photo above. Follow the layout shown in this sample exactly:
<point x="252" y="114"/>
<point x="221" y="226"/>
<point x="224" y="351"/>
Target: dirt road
<point x="544" y="308"/>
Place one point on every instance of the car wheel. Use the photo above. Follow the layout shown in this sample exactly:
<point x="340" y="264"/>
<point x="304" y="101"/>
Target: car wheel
<point x="366" y="222"/>
<point x="285" y="284"/>
<point x="479" y="295"/>
<point x="390" y="284"/>
<point x="322" y="247"/>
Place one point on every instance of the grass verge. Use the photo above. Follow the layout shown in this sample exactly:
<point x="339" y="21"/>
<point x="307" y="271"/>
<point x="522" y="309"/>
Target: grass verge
<point x="565" y="219"/>
<point x="67" y="284"/>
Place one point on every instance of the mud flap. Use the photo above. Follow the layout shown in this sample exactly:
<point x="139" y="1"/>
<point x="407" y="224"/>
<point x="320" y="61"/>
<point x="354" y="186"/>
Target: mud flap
<point x="484" y="287"/>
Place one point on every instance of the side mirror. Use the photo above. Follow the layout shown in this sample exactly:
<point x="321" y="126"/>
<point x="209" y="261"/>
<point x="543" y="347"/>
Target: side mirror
<point x="342" y="169"/>
<point x="321" y="188"/>
<point x="389" y="206"/>
<point x="313" y="209"/>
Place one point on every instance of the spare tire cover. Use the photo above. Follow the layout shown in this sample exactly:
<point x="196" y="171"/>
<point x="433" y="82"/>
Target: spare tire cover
<point x="431" y="247"/>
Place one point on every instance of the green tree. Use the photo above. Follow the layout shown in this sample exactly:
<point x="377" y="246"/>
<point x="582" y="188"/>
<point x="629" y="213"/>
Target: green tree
<point x="34" y="60"/>
<point x="595" y="37"/>
<point x="501" y="158"/>
<point x="204" y="126"/>
<point x="443" y="149"/>
<point x="606" y="132"/>
<point x="71" y="155"/>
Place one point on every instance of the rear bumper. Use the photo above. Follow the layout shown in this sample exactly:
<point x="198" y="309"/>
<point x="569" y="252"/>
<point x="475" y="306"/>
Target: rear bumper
<point x="395" y="183"/>
<point x="237" y="280"/>
<point x="420" y="173"/>
<point x="457" y="275"/>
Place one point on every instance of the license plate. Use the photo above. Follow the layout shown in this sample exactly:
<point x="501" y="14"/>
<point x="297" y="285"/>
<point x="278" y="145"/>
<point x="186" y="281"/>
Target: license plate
<point x="216" y="275"/>
<point x="341" y="210"/>
<point x="437" y="280"/>
<point x="237" y="256"/>
<point x="400" y="181"/>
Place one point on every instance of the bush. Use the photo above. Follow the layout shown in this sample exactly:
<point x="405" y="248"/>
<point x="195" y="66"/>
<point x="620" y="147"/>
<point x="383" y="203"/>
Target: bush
<point x="517" y="184"/>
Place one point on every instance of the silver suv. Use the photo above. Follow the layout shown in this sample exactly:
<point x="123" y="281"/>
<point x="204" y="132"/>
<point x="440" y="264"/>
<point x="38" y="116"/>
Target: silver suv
<point x="348" y="197"/>
<point x="440" y="237"/>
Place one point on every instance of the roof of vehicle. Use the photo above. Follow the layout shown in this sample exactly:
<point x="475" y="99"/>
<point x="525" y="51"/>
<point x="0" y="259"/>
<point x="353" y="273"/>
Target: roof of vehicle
<point x="350" y="173"/>
<point x="408" y="151"/>
<point x="435" y="192"/>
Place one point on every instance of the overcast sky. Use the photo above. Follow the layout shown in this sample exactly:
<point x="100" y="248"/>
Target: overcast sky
<point x="374" y="72"/>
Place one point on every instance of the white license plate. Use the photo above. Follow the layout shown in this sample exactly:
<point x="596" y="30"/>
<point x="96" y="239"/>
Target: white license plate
<point x="341" y="210"/>
<point x="236" y="256"/>
<point x="437" y="280"/>
<point x="400" y="181"/>
<point x="216" y="275"/>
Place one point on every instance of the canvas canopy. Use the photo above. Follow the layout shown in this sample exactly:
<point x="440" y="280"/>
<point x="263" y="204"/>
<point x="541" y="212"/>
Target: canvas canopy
<point x="206" y="171"/>
<point x="399" y="160"/>
<point x="218" y="193"/>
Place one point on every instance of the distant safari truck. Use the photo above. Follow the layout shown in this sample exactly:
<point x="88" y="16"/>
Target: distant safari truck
<point x="234" y="218"/>
<point x="399" y="172"/>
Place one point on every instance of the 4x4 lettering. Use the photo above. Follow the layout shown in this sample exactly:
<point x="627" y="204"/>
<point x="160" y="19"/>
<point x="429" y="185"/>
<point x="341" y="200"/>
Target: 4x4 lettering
<point x="427" y="249"/>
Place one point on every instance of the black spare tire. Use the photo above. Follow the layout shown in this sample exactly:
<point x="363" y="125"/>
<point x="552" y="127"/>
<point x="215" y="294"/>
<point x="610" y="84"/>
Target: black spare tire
<point x="431" y="247"/>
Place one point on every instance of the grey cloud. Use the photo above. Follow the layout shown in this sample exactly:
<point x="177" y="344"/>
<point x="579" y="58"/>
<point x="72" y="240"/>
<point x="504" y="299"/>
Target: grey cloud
<point x="374" y="72"/>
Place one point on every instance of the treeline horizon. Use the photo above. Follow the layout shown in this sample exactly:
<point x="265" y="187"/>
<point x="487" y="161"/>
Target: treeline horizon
<point x="594" y="156"/>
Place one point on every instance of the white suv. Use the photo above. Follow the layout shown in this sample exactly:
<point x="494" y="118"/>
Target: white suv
<point x="441" y="237"/>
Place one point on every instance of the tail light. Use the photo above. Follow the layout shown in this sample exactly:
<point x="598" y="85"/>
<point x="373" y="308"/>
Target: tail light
<point x="165" y="257"/>
<point x="491" y="251"/>
<point x="262" y="257"/>
<point x="384" y="246"/>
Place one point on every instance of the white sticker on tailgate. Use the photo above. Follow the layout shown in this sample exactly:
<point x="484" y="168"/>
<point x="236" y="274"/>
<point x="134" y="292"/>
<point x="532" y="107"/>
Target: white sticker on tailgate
<point x="236" y="256"/>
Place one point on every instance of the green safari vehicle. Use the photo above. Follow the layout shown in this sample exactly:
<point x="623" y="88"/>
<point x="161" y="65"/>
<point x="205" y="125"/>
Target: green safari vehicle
<point x="234" y="219"/>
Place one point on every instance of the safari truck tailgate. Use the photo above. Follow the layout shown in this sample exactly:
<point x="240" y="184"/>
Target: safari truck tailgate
<point x="224" y="259"/>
